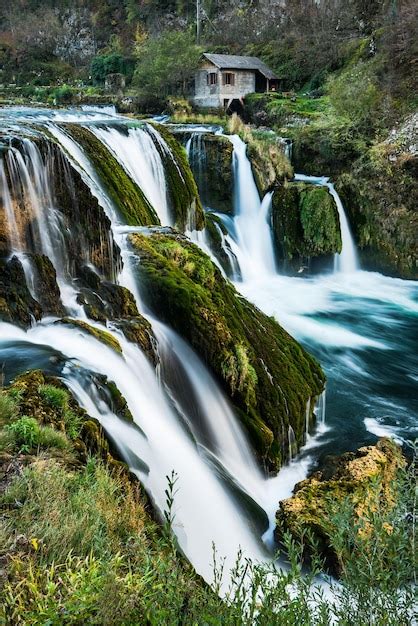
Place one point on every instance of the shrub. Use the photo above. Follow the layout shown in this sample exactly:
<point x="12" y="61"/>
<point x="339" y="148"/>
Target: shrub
<point x="54" y="396"/>
<point x="27" y="434"/>
<point x="8" y="408"/>
<point x="58" y="399"/>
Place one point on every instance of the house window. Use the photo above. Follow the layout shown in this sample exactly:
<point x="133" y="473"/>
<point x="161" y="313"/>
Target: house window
<point x="212" y="78"/>
<point x="228" y="78"/>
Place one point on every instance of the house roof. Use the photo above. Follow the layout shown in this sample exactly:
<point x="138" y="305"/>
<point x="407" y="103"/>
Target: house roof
<point x="236" y="62"/>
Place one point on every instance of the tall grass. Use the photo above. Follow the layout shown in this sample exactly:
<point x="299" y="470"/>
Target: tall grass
<point x="92" y="555"/>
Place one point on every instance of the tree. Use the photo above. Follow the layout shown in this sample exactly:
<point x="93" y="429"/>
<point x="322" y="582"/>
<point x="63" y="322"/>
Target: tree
<point x="166" y="64"/>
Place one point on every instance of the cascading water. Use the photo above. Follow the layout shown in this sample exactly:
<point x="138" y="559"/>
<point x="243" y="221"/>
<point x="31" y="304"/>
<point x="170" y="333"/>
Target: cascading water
<point x="210" y="461"/>
<point x="135" y="149"/>
<point x="345" y="262"/>
<point x="254" y="241"/>
<point x="197" y="436"/>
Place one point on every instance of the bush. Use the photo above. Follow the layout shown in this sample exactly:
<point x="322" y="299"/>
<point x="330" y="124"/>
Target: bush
<point x="58" y="399"/>
<point x="355" y="95"/>
<point x="96" y="557"/>
<point x="113" y="63"/>
<point x="27" y="434"/>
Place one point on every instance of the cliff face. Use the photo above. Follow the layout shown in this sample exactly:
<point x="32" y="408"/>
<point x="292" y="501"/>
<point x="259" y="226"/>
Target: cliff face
<point x="378" y="187"/>
<point x="380" y="193"/>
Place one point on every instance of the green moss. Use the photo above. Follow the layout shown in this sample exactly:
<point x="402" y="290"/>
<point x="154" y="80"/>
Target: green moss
<point x="102" y="335"/>
<point x="266" y="372"/>
<point x="363" y="479"/>
<point x="320" y="223"/>
<point x="47" y="401"/>
<point x="124" y="192"/>
<point x="185" y="202"/>
<point x="305" y="224"/>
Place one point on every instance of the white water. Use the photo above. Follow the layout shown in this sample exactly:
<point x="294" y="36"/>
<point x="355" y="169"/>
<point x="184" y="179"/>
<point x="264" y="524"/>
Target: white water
<point x="254" y="249"/>
<point x="135" y="150"/>
<point x="204" y="511"/>
<point x="207" y="511"/>
<point x="347" y="261"/>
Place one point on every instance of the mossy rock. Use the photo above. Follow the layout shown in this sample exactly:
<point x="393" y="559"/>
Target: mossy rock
<point x="16" y="303"/>
<point x="139" y="330"/>
<point x="46" y="286"/>
<point x="186" y="207"/>
<point x="214" y="228"/>
<point x="104" y="301"/>
<point x="99" y="334"/>
<point x="266" y="373"/>
<point x="364" y="479"/>
<point x="305" y="224"/>
<point x="381" y="199"/>
<point x="127" y="197"/>
<point x="46" y="399"/>
<point x="270" y="165"/>
<point x="212" y="168"/>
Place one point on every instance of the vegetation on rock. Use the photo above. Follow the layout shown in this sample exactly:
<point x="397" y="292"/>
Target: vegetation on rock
<point x="363" y="483"/>
<point x="305" y="224"/>
<point x="185" y="202"/>
<point x="266" y="372"/>
<point x="269" y="163"/>
<point x="127" y="197"/>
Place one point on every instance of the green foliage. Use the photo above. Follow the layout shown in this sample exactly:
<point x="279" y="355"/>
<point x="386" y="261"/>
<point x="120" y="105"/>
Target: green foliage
<point x="58" y="399"/>
<point x="8" y="407"/>
<point x="93" y="555"/>
<point x="54" y="396"/>
<point x="27" y="434"/>
<point x="166" y="64"/>
<point x="113" y="63"/>
<point x="355" y="94"/>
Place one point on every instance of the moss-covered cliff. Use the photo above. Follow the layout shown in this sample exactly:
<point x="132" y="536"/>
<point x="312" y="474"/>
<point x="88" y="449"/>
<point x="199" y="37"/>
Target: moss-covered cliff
<point x="127" y="197"/>
<point x="268" y="375"/>
<point x="380" y="193"/>
<point x="377" y="182"/>
<point x="211" y="163"/>
<point x="305" y="225"/>
<point x="185" y="202"/>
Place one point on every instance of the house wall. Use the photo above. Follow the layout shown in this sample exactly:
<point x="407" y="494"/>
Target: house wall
<point x="215" y="95"/>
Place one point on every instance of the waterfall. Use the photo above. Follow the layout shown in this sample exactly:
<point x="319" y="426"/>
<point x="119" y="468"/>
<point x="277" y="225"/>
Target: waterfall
<point x="347" y="261"/>
<point x="205" y="512"/>
<point x="31" y="184"/>
<point x="255" y="250"/>
<point x="184" y="421"/>
<point x="136" y="151"/>
<point x="307" y="418"/>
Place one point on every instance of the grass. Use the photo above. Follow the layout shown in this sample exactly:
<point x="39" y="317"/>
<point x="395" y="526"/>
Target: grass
<point x="180" y="117"/>
<point x="89" y="553"/>
<point x="79" y="546"/>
